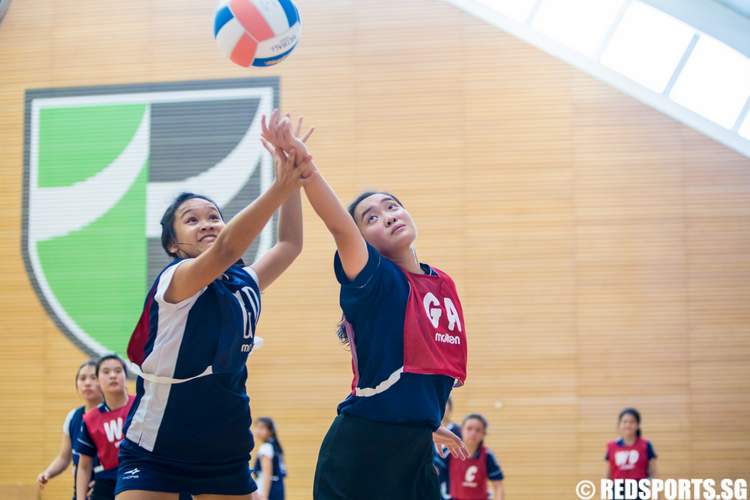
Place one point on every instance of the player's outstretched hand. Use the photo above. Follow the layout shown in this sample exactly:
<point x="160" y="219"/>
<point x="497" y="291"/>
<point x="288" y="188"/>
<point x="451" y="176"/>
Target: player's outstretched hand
<point x="298" y="131"/>
<point x="278" y="131"/>
<point x="305" y="160"/>
<point x="446" y="441"/>
<point x="289" y="172"/>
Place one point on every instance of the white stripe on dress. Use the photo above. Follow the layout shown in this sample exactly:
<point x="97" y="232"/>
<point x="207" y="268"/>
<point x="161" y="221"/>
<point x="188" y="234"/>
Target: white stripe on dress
<point x="366" y="392"/>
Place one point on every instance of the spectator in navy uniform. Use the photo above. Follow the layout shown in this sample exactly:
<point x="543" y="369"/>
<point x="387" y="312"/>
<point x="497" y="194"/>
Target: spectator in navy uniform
<point x="87" y="387"/>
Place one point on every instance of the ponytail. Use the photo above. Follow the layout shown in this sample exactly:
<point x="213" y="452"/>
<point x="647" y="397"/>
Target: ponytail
<point x="341" y="332"/>
<point x="268" y="422"/>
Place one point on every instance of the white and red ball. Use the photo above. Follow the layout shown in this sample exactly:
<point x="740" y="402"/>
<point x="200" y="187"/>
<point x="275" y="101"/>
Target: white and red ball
<point x="257" y="32"/>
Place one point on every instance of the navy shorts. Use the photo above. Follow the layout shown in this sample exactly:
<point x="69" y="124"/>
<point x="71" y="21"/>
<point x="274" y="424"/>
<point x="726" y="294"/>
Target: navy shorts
<point x="143" y="472"/>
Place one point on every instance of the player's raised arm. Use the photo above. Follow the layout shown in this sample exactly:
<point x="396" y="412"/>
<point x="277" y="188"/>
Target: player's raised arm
<point x="212" y="246"/>
<point x="274" y="262"/>
<point x="349" y="241"/>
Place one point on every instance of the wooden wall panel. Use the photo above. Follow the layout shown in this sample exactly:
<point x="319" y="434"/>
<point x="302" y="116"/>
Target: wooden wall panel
<point x="600" y="247"/>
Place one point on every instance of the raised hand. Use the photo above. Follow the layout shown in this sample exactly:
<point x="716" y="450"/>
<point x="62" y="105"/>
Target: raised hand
<point x="298" y="131"/>
<point x="278" y="131"/>
<point x="288" y="170"/>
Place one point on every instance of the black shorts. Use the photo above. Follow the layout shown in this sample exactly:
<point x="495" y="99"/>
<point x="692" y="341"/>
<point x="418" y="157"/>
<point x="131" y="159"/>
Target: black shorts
<point x="365" y="460"/>
<point x="104" y="489"/>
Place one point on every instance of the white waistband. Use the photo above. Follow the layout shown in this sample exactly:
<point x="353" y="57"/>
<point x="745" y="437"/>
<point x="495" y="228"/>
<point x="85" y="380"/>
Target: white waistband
<point x="168" y="380"/>
<point x="257" y="344"/>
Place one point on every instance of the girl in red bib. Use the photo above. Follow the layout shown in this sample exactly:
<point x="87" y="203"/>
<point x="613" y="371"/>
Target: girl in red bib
<point x="469" y="479"/>
<point x="631" y="456"/>
<point x="404" y="325"/>
<point x="101" y="431"/>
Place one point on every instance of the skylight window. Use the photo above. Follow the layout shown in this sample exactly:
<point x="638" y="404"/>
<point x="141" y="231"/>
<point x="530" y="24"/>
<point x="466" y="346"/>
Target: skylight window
<point x="518" y="10"/>
<point x="715" y="82"/>
<point x="581" y="25"/>
<point x="647" y="46"/>
<point x="745" y="128"/>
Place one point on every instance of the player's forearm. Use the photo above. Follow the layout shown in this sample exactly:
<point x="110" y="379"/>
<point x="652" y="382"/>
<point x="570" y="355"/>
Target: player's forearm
<point x="83" y="476"/>
<point x="328" y="207"/>
<point x="290" y="222"/>
<point x="245" y="227"/>
<point x="266" y="468"/>
<point x="499" y="490"/>
<point x="266" y="490"/>
<point x="55" y="467"/>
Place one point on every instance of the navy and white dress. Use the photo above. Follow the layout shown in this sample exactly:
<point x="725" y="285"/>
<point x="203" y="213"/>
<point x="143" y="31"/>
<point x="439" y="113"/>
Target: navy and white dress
<point x="189" y="429"/>
<point x="278" y="470"/>
<point x="72" y="428"/>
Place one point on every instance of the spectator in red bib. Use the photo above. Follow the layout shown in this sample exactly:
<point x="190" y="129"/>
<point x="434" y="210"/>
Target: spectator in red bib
<point x="101" y="430"/>
<point x="480" y="474"/>
<point x="631" y="456"/>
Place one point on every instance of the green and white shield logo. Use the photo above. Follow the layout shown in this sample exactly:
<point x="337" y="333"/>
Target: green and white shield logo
<point x="101" y="166"/>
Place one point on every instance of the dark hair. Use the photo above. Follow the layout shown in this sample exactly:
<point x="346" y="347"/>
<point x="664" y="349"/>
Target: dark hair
<point x="168" y="235"/>
<point x="477" y="416"/>
<point x="635" y="414"/>
<point x="86" y="363"/>
<point x="340" y="328"/>
<point x="366" y="194"/>
<point x="107" y="357"/>
<point x="268" y="422"/>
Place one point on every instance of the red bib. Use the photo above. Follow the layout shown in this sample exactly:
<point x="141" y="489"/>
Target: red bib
<point x="434" y="328"/>
<point x="468" y="478"/>
<point x="105" y="429"/>
<point x="628" y="462"/>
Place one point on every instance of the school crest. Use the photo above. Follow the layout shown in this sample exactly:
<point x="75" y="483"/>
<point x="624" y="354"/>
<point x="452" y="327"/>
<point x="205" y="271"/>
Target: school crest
<point x="101" y="166"/>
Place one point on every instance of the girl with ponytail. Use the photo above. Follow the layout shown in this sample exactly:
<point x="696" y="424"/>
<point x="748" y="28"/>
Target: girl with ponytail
<point x="631" y="456"/>
<point x="269" y="469"/>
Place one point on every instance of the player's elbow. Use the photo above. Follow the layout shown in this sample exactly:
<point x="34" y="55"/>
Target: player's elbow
<point x="292" y="250"/>
<point x="65" y="460"/>
<point x="346" y="236"/>
<point x="295" y="249"/>
<point x="292" y="244"/>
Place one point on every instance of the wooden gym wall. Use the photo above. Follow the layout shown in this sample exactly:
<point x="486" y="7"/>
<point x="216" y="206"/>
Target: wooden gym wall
<point x="600" y="247"/>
